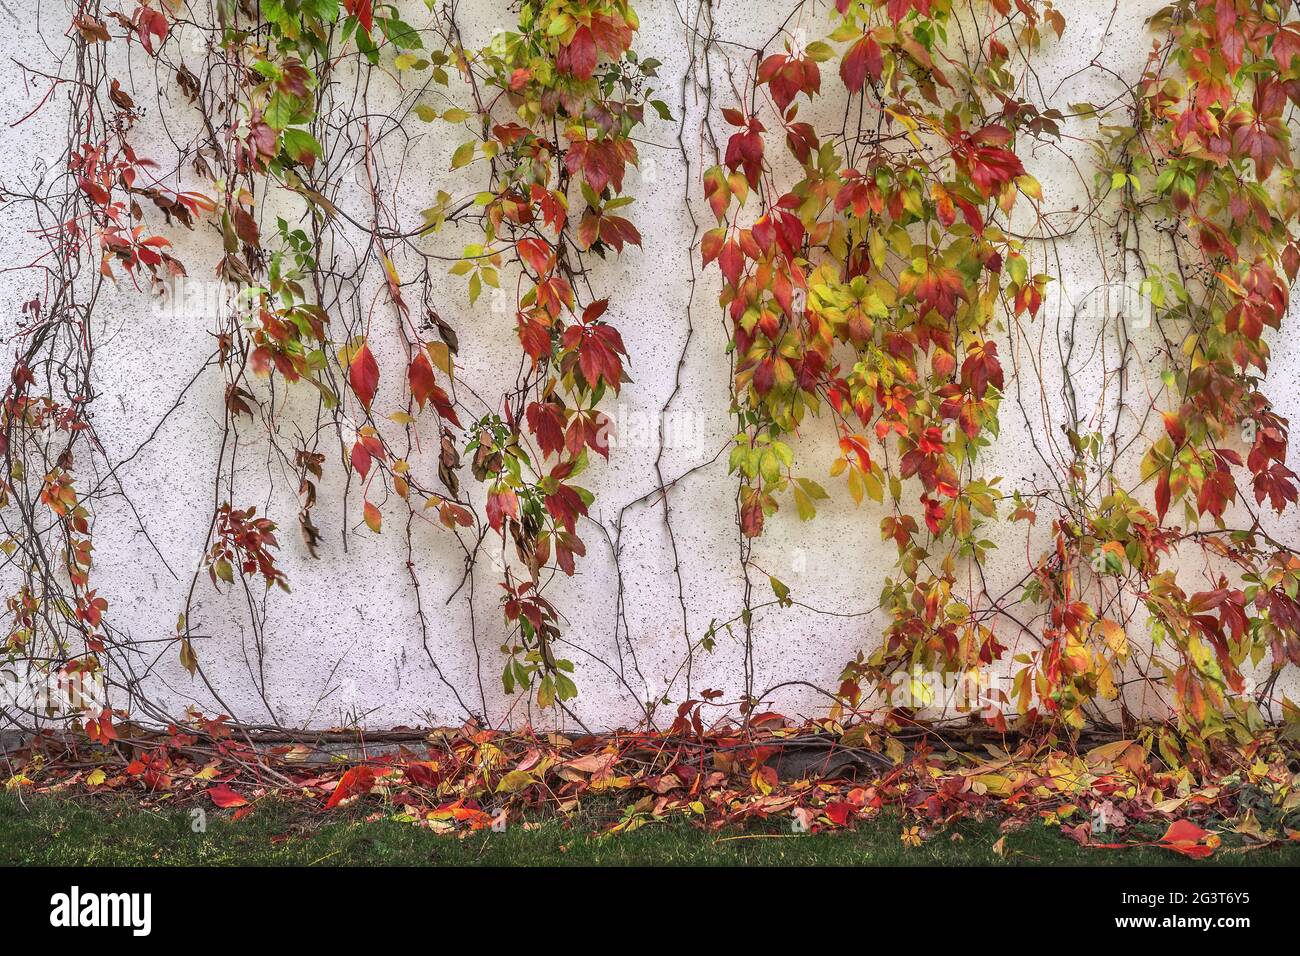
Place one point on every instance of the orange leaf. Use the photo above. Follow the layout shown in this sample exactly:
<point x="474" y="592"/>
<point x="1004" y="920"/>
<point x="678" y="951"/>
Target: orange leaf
<point x="225" y="798"/>
<point x="839" y="812"/>
<point x="354" y="783"/>
<point x="1185" y="837"/>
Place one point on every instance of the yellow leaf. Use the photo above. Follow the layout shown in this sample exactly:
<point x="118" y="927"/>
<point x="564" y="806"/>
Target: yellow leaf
<point x="1115" y="637"/>
<point x="440" y="355"/>
<point x="995" y="784"/>
<point x="515" y="781"/>
<point x="1106" y="682"/>
<point x="464" y="155"/>
<point x="1108" y="753"/>
<point x="391" y="270"/>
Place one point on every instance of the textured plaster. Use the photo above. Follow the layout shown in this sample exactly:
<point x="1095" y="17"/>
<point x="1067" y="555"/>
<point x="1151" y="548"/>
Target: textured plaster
<point x="345" y="641"/>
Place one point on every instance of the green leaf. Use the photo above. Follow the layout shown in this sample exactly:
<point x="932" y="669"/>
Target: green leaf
<point x="807" y="510"/>
<point x="565" y="688"/>
<point x="301" y="145"/>
<point x="401" y="34"/>
<point x="819" y="52"/>
<point x="279" y="112"/>
<point x="464" y="155"/>
<point x="781" y="591"/>
<point x="1018" y="268"/>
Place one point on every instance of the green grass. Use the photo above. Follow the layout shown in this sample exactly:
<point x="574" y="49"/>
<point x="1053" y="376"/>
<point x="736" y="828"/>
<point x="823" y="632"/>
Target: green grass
<point x="65" y="832"/>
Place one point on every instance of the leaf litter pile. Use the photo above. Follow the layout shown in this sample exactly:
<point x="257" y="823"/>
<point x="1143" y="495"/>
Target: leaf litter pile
<point x="1104" y="793"/>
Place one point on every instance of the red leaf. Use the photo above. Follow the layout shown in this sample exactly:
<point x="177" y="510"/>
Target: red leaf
<point x="442" y="404"/>
<point x="423" y="774"/>
<point x="537" y="253"/>
<point x="864" y="58"/>
<point x="732" y="262"/>
<point x="588" y="230"/>
<point x="226" y="798"/>
<point x="363" y="375"/>
<point x="839" y="812"/>
<point x="421" y="377"/>
<point x="594" y="358"/>
<point x="499" y="505"/>
<point x="1185" y="837"/>
<point x="246" y="227"/>
<point x="101" y="728"/>
<point x="565" y="505"/>
<point x="1162" y="493"/>
<point x="899" y="8"/>
<point x="354" y="783"/>
<point x="579" y="57"/>
<point x="360" y="459"/>
<point x="745" y="148"/>
<point x="363" y="10"/>
<point x="535" y="336"/>
<point x="987" y="161"/>
<point x="546" y="422"/>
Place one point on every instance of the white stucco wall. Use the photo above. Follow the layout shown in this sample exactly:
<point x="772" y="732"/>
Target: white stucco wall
<point x="345" y="641"/>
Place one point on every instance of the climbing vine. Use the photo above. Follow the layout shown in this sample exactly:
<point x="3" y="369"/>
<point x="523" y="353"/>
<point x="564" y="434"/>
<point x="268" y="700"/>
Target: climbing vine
<point x="553" y="105"/>
<point x="867" y="278"/>
<point x="888" y="265"/>
<point x="868" y="289"/>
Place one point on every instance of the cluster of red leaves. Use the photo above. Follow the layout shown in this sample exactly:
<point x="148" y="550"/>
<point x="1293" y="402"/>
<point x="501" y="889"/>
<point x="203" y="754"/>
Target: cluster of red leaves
<point x="245" y="542"/>
<point x="1113" y="795"/>
<point x="810" y="277"/>
<point x="1215" y="99"/>
<point x="100" y="172"/>
<point x="576" y="139"/>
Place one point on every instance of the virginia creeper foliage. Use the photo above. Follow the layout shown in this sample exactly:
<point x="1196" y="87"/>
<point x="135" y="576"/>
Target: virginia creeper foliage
<point x="880" y="271"/>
